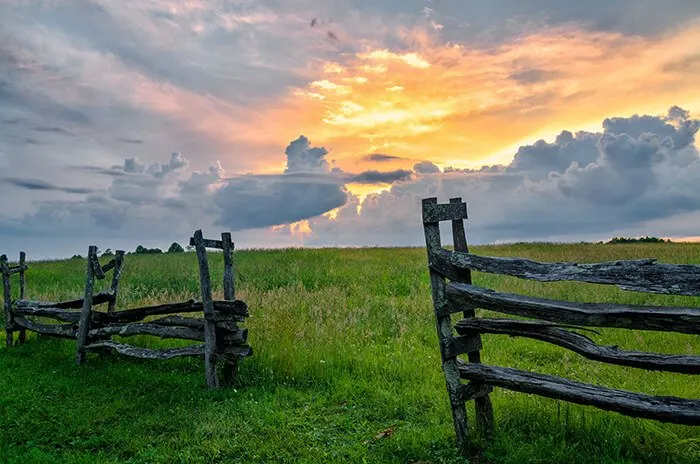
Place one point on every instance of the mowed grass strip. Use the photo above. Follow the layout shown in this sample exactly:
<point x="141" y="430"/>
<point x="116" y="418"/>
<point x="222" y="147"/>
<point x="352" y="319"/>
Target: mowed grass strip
<point x="346" y="368"/>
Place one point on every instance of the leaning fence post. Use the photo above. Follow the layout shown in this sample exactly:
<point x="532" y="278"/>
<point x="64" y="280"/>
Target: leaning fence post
<point x="7" y="301"/>
<point x="208" y="306"/>
<point x="444" y="331"/>
<point x="22" y="283"/>
<point x="116" y="275"/>
<point x="484" y="409"/>
<point x="84" y="325"/>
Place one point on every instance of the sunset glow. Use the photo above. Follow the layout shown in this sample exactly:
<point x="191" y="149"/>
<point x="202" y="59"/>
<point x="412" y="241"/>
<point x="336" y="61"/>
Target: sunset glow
<point x="462" y="106"/>
<point x="326" y="123"/>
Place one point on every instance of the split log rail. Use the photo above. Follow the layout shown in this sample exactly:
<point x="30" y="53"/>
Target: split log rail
<point x="453" y="292"/>
<point x="224" y="342"/>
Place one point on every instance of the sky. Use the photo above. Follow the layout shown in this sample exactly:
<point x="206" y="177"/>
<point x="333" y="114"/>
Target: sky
<point x="324" y="123"/>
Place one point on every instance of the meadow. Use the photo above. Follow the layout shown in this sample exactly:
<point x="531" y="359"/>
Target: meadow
<point x="346" y="369"/>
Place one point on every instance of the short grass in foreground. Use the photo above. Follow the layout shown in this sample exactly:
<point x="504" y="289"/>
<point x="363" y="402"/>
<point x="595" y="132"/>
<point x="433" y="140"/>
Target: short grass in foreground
<point x="345" y="348"/>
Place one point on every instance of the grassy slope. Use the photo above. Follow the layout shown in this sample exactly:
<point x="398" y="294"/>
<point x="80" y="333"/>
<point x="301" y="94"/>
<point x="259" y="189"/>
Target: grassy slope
<point x="345" y="347"/>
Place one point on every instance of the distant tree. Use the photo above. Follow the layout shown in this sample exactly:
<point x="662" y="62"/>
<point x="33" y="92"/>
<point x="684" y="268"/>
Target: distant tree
<point x="176" y="248"/>
<point x="141" y="249"/>
<point x="108" y="252"/>
<point x="76" y="257"/>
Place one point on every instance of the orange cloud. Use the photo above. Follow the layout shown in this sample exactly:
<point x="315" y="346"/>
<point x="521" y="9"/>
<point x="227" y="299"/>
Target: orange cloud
<point x="461" y="106"/>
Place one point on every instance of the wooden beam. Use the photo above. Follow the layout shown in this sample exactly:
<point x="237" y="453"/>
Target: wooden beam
<point x="664" y="319"/>
<point x="642" y="275"/>
<point x="208" y="243"/>
<point x="557" y="335"/>
<point x="661" y="408"/>
<point x="434" y="212"/>
<point x="98" y="298"/>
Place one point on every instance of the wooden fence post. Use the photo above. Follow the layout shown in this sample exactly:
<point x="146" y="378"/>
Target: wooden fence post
<point x="84" y="324"/>
<point x="229" y="284"/>
<point x="22" y="284"/>
<point x="444" y="331"/>
<point x="483" y="407"/>
<point x="7" y="301"/>
<point x="116" y="275"/>
<point x="229" y="369"/>
<point x="208" y="306"/>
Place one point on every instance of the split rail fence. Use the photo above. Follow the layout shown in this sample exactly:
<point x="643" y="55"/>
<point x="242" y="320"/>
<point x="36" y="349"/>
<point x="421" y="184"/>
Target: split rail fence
<point x="225" y="343"/>
<point x="453" y="292"/>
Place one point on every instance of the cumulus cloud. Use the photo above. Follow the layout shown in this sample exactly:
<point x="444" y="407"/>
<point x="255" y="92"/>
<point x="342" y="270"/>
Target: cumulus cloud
<point x="302" y="157"/>
<point x="635" y="172"/>
<point x="307" y="188"/>
<point x="426" y="167"/>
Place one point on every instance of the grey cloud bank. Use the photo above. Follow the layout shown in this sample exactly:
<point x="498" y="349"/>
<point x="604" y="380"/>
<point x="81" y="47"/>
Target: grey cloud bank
<point x="638" y="175"/>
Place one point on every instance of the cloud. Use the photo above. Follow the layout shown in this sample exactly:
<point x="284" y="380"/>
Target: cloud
<point x="307" y="188"/>
<point x="426" y="167"/>
<point x="377" y="177"/>
<point x="380" y="158"/>
<point x="52" y="130"/>
<point x="302" y="157"/>
<point x="639" y="175"/>
<point x="36" y="184"/>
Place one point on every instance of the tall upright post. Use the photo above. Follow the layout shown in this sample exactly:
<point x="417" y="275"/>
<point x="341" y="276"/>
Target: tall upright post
<point x="229" y="284"/>
<point x="7" y="301"/>
<point x="229" y="369"/>
<point x="22" y="284"/>
<point x="84" y="325"/>
<point x="116" y="275"/>
<point x="444" y="331"/>
<point x="484" y="409"/>
<point x="208" y="304"/>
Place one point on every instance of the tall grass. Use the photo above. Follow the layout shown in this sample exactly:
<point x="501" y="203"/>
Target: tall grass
<point x="344" y="348"/>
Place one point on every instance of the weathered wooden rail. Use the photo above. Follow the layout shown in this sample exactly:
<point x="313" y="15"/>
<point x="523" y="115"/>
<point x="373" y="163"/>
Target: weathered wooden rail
<point x="453" y="292"/>
<point x="224" y="342"/>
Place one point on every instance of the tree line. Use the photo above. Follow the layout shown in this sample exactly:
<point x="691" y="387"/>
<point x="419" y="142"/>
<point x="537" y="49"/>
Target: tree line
<point x="142" y="250"/>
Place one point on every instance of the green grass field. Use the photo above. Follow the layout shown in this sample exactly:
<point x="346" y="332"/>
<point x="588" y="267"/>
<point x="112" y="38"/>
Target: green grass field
<point x="345" y="348"/>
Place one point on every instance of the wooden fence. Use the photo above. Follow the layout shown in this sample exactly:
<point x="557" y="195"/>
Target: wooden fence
<point x="453" y="292"/>
<point x="224" y="341"/>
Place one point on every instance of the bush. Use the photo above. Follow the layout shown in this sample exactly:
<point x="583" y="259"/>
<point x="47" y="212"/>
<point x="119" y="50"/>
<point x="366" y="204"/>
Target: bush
<point x="616" y="240"/>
